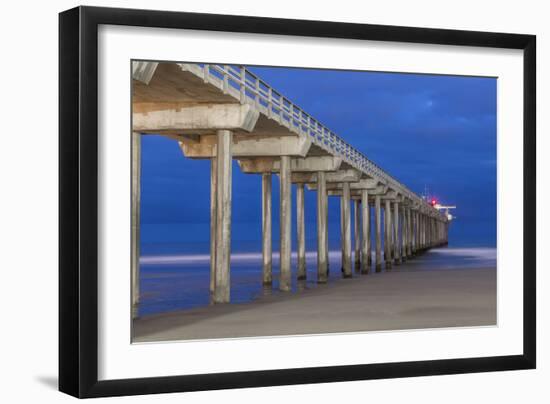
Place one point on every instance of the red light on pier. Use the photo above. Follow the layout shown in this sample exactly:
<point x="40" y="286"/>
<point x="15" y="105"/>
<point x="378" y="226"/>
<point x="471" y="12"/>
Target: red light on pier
<point x="434" y="202"/>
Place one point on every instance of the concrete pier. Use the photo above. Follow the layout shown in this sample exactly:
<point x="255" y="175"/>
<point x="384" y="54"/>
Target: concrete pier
<point x="301" y="232"/>
<point x="378" y="220"/>
<point x="346" y="231"/>
<point x="223" y="215"/>
<point x="210" y="119"/>
<point x="322" y="250"/>
<point x="267" y="246"/>
<point x="285" y="224"/>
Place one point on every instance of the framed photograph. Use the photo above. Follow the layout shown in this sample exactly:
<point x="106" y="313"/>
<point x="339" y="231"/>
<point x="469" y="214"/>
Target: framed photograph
<point x="252" y="201"/>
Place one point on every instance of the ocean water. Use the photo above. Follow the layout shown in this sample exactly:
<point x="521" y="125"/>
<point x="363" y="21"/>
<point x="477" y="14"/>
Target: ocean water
<point x="172" y="278"/>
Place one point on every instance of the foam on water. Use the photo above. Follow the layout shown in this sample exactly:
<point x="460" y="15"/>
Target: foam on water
<point x="237" y="258"/>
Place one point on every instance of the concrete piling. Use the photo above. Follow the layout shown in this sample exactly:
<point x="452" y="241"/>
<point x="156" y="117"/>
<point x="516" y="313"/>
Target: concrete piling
<point x="409" y="232"/>
<point x="346" y="231"/>
<point x="357" y="235"/>
<point x="396" y="254"/>
<point x="414" y="239"/>
<point x="388" y="234"/>
<point x="285" y="224"/>
<point x="342" y="249"/>
<point x="301" y="234"/>
<point x="322" y="252"/>
<point x="378" y="219"/>
<point x="213" y="222"/>
<point x="403" y="243"/>
<point x="223" y="215"/>
<point x="365" y="230"/>
<point x="267" y="246"/>
<point x="369" y="235"/>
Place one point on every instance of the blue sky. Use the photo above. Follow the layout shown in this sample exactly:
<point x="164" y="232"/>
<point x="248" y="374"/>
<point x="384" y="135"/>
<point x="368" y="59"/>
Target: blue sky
<point x="425" y="130"/>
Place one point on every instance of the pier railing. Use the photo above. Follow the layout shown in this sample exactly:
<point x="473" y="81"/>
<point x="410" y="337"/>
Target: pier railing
<point x="247" y="87"/>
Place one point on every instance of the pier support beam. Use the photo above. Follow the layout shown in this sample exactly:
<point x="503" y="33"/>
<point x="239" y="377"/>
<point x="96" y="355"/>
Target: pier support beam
<point x="388" y="234"/>
<point x="369" y="235"/>
<point x="429" y="231"/>
<point x="346" y="231"/>
<point x="223" y="216"/>
<point x="406" y="234"/>
<point x="213" y="222"/>
<point x="378" y="219"/>
<point x="396" y="255"/>
<point x="135" y="236"/>
<point x="326" y="236"/>
<point x="425" y="231"/>
<point x="322" y="253"/>
<point x="285" y="224"/>
<point x="342" y="250"/>
<point x="417" y="232"/>
<point x="357" y="234"/>
<point x="409" y="231"/>
<point x="422" y="233"/>
<point x="413" y="232"/>
<point x="432" y="232"/>
<point x="418" y="246"/>
<point x="267" y="256"/>
<point x="365" y="230"/>
<point x="301" y="233"/>
<point x="403" y="254"/>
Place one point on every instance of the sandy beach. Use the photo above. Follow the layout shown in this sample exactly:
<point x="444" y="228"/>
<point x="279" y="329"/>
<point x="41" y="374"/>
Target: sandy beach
<point x="403" y="298"/>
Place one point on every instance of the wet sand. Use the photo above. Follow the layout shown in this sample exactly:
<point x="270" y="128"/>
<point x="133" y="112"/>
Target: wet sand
<point x="399" y="299"/>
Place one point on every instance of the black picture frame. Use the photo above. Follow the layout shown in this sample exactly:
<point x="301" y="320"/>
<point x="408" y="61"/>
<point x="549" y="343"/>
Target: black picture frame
<point x="78" y="201"/>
